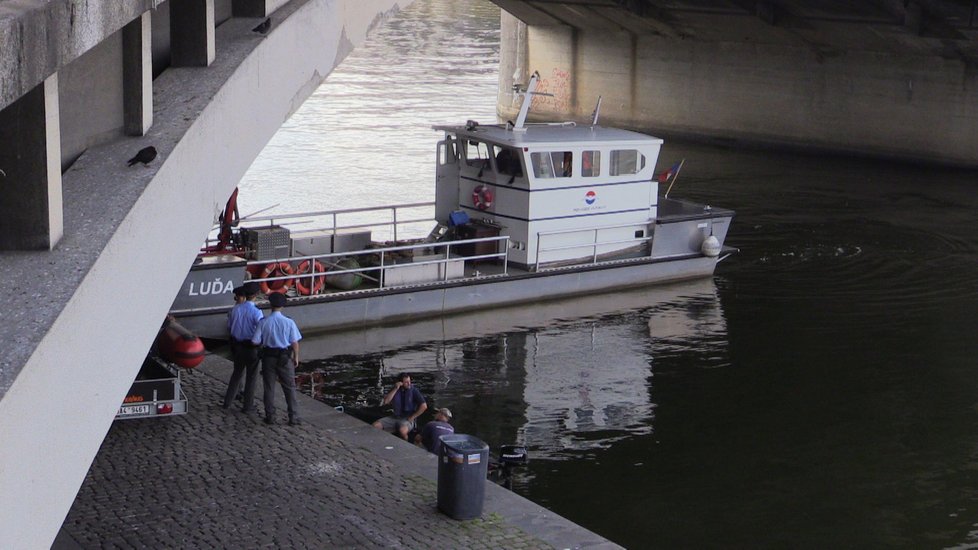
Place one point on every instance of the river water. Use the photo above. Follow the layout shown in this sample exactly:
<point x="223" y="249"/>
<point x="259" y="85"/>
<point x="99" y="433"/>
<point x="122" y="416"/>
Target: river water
<point x="821" y="389"/>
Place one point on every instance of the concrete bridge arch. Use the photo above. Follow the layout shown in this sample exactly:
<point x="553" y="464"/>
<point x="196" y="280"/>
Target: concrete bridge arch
<point x="94" y="249"/>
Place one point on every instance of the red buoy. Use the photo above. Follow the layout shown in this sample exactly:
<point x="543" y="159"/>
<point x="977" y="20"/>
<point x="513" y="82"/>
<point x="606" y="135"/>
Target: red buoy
<point x="179" y="346"/>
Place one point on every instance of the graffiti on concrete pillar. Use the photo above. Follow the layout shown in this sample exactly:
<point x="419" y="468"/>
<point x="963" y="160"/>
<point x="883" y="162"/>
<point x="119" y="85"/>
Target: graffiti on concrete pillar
<point x="557" y="83"/>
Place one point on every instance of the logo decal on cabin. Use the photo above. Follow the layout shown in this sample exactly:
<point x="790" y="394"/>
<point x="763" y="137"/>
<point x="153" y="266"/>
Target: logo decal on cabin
<point x="590" y="197"/>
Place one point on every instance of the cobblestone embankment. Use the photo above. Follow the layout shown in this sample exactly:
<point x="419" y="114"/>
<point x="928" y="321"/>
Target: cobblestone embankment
<point x="216" y="478"/>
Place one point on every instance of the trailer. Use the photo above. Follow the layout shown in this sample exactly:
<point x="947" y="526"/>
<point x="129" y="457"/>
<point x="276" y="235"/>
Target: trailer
<point x="155" y="392"/>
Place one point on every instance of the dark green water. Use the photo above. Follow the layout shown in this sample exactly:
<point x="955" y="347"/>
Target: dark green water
<point x="821" y="389"/>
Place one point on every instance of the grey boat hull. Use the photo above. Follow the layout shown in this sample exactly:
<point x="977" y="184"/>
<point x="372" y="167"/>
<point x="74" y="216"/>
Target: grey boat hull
<point x="376" y="307"/>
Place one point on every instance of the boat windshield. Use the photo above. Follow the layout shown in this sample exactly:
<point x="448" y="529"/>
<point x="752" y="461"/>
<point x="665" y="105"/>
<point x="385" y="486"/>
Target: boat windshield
<point x="477" y="154"/>
<point x="553" y="164"/>
<point x="508" y="161"/>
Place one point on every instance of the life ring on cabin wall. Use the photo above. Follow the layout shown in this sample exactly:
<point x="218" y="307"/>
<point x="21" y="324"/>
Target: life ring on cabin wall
<point x="276" y="269"/>
<point x="482" y="197"/>
<point x="318" y="281"/>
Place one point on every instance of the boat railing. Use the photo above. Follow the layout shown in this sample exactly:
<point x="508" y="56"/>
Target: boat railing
<point x="594" y="245"/>
<point x="439" y="253"/>
<point x="395" y="217"/>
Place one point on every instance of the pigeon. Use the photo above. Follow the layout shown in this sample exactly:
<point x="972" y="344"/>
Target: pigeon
<point x="145" y="156"/>
<point x="263" y="27"/>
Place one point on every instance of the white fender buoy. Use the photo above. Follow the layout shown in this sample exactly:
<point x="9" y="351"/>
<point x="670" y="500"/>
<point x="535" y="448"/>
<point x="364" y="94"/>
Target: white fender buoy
<point x="710" y="247"/>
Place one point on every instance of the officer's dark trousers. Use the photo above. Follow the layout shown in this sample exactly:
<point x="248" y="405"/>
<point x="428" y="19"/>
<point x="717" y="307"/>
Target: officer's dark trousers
<point x="245" y="364"/>
<point x="282" y="368"/>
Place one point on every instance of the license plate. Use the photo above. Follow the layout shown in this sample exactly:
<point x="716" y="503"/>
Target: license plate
<point x="129" y="410"/>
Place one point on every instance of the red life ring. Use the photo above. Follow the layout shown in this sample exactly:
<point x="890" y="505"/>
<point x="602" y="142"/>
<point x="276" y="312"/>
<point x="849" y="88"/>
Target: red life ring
<point x="482" y="197"/>
<point x="276" y="269"/>
<point x="318" y="281"/>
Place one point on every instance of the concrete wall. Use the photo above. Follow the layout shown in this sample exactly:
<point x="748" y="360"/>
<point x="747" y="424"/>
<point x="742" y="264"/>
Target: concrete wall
<point x="222" y="11"/>
<point x="130" y="235"/>
<point x="161" y="38"/>
<point x="39" y="37"/>
<point x="90" y="89"/>
<point x="911" y="107"/>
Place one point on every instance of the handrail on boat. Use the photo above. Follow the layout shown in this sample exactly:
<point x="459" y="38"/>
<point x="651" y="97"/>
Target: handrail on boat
<point x="334" y="222"/>
<point x="593" y="245"/>
<point x="384" y="253"/>
<point x="322" y="213"/>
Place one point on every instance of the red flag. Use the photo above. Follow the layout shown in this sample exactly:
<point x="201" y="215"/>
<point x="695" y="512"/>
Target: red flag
<point x="664" y="177"/>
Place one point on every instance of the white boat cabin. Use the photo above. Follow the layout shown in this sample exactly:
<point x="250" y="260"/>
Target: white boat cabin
<point x="561" y="192"/>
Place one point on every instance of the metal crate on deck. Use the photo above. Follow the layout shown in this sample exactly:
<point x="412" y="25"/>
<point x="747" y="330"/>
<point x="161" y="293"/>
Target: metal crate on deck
<point x="267" y="243"/>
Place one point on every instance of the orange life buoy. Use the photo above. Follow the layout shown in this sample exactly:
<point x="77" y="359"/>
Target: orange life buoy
<point x="276" y="269"/>
<point x="482" y="197"/>
<point x="318" y="281"/>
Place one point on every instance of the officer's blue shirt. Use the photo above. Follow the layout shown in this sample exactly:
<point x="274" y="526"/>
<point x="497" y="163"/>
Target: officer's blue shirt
<point x="243" y="320"/>
<point x="276" y="331"/>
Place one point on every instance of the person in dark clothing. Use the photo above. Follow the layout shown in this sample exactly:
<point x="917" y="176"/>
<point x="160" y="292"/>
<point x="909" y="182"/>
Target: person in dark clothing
<point x="431" y="433"/>
<point x="242" y="322"/>
<point x="408" y="404"/>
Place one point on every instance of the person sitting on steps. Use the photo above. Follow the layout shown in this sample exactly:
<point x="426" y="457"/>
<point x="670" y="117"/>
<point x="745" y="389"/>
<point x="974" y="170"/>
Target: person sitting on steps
<point x="408" y="404"/>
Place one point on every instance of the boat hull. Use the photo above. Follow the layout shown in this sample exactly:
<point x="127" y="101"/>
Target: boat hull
<point x="405" y="304"/>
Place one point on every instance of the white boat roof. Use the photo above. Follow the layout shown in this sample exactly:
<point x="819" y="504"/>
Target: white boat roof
<point x="536" y="135"/>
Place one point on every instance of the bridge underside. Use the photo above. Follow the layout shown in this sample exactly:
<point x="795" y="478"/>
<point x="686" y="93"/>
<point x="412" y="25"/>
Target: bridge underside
<point x="887" y="78"/>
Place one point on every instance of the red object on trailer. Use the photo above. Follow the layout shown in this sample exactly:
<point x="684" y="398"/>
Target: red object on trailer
<point x="179" y="346"/>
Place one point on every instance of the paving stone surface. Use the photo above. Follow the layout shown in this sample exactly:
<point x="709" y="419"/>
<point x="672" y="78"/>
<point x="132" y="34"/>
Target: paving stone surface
<point x="217" y="478"/>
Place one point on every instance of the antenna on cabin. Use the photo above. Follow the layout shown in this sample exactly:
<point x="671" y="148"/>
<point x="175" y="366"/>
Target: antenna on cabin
<point x="594" y="115"/>
<point x="527" y="99"/>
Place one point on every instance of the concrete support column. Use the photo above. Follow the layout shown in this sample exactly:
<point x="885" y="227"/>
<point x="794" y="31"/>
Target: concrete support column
<point x="553" y="53"/>
<point x="31" y="216"/>
<point x="192" y="33"/>
<point x="513" y="70"/>
<point x="920" y="107"/>
<point x="137" y="75"/>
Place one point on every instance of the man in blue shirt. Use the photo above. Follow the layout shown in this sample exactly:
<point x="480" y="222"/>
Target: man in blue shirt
<point x="279" y="340"/>
<point x="408" y="404"/>
<point x="432" y="431"/>
<point x="242" y="322"/>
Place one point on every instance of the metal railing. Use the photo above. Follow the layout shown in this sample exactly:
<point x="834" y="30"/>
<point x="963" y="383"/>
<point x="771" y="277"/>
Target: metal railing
<point x="593" y="245"/>
<point x="383" y="265"/>
<point x="333" y="216"/>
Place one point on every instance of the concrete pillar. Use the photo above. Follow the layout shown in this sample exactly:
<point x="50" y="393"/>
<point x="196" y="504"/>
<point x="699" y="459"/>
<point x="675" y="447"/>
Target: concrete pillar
<point x="31" y="216"/>
<point x="512" y="64"/>
<point x="137" y="75"/>
<point x="553" y="53"/>
<point x="911" y="107"/>
<point x="192" y="33"/>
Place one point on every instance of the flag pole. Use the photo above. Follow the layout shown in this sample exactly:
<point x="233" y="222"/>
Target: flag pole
<point x="676" y="175"/>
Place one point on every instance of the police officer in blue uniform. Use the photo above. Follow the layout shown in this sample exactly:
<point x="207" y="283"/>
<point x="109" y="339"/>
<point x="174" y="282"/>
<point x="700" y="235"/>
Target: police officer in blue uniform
<point x="243" y="320"/>
<point x="279" y="338"/>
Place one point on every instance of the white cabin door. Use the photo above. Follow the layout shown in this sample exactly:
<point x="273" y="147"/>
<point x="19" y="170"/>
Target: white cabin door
<point x="446" y="179"/>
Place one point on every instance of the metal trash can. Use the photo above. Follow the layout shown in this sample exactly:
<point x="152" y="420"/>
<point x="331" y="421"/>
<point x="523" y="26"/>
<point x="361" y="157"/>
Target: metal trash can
<point x="463" y="463"/>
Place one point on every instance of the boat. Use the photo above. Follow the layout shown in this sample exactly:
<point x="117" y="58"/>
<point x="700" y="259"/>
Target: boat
<point x="523" y="212"/>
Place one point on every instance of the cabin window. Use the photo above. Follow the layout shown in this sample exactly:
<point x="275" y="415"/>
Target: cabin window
<point x="626" y="161"/>
<point x="556" y="164"/>
<point x="446" y="151"/>
<point x="477" y="154"/>
<point x="591" y="164"/>
<point x="508" y="161"/>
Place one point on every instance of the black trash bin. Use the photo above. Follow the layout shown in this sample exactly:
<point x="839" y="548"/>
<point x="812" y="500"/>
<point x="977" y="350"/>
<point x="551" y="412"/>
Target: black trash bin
<point x="463" y="463"/>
